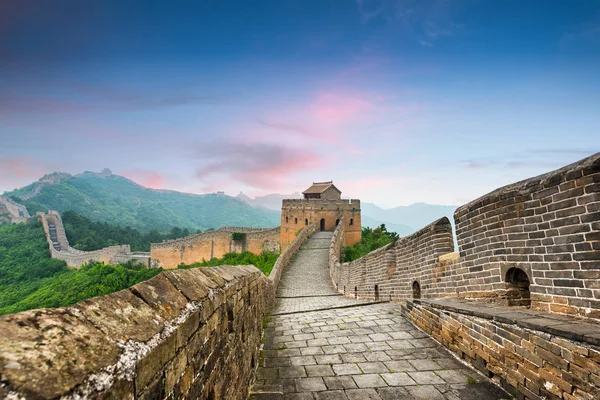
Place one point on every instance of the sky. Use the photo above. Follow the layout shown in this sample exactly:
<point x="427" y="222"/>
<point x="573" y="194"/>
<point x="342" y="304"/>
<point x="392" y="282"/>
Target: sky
<point x="396" y="101"/>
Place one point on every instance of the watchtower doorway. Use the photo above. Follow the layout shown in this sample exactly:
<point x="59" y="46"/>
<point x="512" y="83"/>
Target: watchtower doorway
<point x="322" y="224"/>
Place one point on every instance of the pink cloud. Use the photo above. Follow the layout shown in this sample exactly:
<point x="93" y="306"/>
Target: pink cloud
<point x="257" y="165"/>
<point x="149" y="179"/>
<point x="18" y="172"/>
<point x="336" y="109"/>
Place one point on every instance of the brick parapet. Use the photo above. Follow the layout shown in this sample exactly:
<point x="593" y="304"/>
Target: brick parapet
<point x="547" y="226"/>
<point x="533" y="355"/>
<point x="289" y="252"/>
<point x="218" y="233"/>
<point x="186" y="334"/>
<point x="213" y="244"/>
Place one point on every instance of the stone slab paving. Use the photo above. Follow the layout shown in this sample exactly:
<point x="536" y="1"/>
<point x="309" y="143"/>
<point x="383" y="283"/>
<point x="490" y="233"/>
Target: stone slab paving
<point x="322" y="346"/>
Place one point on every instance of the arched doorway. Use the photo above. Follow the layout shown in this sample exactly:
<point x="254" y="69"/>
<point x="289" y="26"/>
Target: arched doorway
<point x="322" y="224"/>
<point x="337" y="222"/>
<point x="517" y="287"/>
<point x="416" y="289"/>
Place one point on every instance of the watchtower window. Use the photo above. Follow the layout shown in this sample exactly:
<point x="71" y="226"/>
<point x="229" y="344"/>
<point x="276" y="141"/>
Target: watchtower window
<point x="351" y="221"/>
<point x="337" y="222"/>
<point x="416" y="290"/>
<point x="296" y="221"/>
<point x="517" y="287"/>
<point x="306" y="221"/>
<point x="286" y="220"/>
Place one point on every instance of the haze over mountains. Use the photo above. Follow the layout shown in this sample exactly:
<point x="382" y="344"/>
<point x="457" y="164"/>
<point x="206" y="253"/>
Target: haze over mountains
<point x="112" y="198"/>
<point x="106" y="197"/>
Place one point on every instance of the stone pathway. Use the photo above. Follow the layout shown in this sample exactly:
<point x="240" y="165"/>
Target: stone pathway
<point x="320" y="345"/>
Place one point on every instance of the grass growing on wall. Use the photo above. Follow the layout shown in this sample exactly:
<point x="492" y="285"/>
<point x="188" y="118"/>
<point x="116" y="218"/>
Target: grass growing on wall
<point x="30" y="278"/>
<point x="264" y="261"/>
<point x="372" y="239"/>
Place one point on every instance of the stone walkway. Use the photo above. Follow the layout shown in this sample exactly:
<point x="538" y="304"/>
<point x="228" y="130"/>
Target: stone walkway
<point x="320" y="345"/>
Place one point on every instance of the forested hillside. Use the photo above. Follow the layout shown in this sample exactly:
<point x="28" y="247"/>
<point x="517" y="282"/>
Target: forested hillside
<point x="87" y="235"/>
<point x="120" y="201"/>
<point x="29" y="278"/>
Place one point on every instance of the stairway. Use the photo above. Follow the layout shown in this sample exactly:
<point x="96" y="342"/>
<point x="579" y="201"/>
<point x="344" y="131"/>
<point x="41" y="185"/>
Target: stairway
<point x="54" y="237"/>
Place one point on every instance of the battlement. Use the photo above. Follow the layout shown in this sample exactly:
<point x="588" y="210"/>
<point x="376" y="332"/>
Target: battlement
<point x="535" y="242"/>
<point x="213" y="244"/>
<point x="353" y="204"/>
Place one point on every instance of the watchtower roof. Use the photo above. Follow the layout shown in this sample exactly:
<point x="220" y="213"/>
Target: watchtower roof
<point x="320" y="187"/>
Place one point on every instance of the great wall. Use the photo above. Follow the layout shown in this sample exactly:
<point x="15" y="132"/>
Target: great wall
<point x="518" y="305"/>
<point x="60" y="248"/>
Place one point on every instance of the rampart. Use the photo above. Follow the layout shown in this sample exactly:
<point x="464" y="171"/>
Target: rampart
<point x="547" y="226"/>
<point x="184" y="334"/>
<point x="18" y="212"/>
<point x="534" y="244"/>
<point x="286" y="255"/>
<point x="60" y="248"/>
<point x="213" y="244"/>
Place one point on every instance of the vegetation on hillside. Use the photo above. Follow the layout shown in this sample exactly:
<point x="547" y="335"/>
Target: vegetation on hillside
<point x="87" y="235"/>
<point x="30" y="279"/>
<point x="372" y="239"/>
<point x="264" y="261"/>
<point x="118" y="200"/>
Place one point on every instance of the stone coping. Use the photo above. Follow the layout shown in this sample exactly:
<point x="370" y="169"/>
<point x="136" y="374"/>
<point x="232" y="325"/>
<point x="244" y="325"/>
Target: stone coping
<point x="558" y="325"/>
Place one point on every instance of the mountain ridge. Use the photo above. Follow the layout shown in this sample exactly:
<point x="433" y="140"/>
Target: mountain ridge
<point x="106" y="197"/>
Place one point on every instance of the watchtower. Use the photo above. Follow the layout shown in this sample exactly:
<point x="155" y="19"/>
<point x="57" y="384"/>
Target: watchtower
<point x="322" y="203"/>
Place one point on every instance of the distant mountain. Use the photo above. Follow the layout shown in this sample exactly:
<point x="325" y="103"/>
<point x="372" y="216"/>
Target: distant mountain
<point x="111" y="198"/>
<point x="415" y="215"/>
<point x="270" y="201"/>
<point x="400" y="229"/>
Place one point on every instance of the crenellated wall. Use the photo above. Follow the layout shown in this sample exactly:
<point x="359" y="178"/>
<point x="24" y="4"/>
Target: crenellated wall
<point x="213" y="244"/>
<point x="547" y="226"/>
<point x="60" y="248"/>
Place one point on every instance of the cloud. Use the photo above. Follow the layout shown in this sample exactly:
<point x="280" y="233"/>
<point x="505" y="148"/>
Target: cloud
<point x="17" y="172"/>
<point x="257" y="165"/>
<point x="149" y="179"/>
<point x="78" y="98"/>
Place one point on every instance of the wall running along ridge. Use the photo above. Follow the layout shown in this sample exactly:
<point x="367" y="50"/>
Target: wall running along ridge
<point x="184" y="334"/>
<point x="76" y="258"/>
<point x="18" y="212"/>
<point x="213" y="244"/>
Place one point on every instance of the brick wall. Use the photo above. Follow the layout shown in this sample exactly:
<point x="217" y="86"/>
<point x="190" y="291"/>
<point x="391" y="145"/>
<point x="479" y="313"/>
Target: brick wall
<point x="76" y="258"/>
<point x="186" y="334"/>
<point x="547" y="226"/>
<point x="296" y="213"/>
<point x="213" y="244"/>
<point x="288" y="253"/>
<point x="531" y="356"/>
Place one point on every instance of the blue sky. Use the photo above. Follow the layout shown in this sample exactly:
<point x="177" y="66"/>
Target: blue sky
<point x="438" y="101"/>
